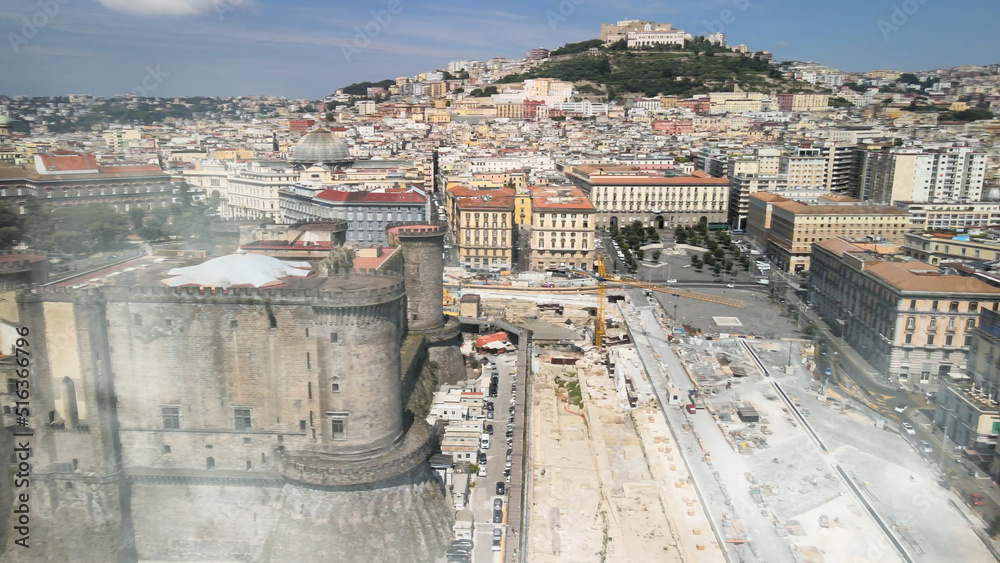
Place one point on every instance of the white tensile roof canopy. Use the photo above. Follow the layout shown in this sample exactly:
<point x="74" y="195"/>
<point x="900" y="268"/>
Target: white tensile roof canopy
<point x="237" y="270"/>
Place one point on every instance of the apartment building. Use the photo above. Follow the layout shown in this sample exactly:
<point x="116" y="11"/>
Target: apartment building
<point x="890" y="174"/>
<point x="795" y="226"/>
<point x="934" y="216"/>
<point x="803" y="102"/>
<point x="485" y="232"/>
<point x="903" y="316"/>
<point x="562" y="229"/>
<point x="805" y="168"/>
<point x="741" y="186"/>
<point x="661" y="199"/>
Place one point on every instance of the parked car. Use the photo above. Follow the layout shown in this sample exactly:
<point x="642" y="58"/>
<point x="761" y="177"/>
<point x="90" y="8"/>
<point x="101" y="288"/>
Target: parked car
<point x="498" y="504"/>
<point x="975" y="499"/>
<point x="501" y="488"/>
<point x="900" y="408"/>
<point x="828" y="371"/>
<point x="489" y="429"/>
<point x="925" y="446"/>
<point x="482" y="458"/>
<point x="497" y="516"/>
<point x="908" y="428"/>
<point x="672" y="280"/>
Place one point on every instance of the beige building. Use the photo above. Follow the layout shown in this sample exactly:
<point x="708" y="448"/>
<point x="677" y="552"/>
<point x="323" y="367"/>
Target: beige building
<point x="795" y="226"/>
<point x="902" y="316"/>
<point x="485" y="232"/>
<point x="937" y="248"/>
<point x="623" y="194"/>
<point x="562" y="229"/>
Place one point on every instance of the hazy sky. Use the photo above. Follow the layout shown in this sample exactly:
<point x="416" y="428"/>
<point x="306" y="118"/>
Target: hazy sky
<point x="308" y="48"/>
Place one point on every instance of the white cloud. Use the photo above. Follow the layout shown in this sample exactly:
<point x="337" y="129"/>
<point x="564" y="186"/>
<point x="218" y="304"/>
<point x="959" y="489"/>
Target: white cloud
<point x="170" y="7"/>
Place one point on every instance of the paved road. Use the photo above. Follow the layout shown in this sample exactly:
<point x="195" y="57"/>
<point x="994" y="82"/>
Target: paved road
<point x="483" y="495"/>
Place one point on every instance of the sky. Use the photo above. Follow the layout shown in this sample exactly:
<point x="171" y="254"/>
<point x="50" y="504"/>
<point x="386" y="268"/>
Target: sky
<point x="306" y="49"/>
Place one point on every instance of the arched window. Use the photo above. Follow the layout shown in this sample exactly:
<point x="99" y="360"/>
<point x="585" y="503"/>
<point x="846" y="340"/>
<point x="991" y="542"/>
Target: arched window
<point x="209" y="463"/>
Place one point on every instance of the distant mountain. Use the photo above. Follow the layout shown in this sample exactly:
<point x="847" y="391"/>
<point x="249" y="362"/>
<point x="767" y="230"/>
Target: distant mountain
<point x="698" y="67"/>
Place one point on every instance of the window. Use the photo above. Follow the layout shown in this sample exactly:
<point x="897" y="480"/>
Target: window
<point x="242" y="419"/>
<point x="338" y="426"/>
<point x="232" y="324"/>
<point x="909" y="338"/>
<point x="970" y="323"/>
<point x="335" y="387"/>
<point x="171" y="417"/>
<point x="302" y="425"/>
<point x="949" y="340"/>
<point x="973" y="306"/>
<point x="310" y="389"/>
<point x="333" y="337"/>
<point x="166" y="449"/>
<point x="953" y="307"/>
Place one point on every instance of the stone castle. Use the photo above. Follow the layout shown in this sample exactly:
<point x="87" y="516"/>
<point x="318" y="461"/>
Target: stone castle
<point x="257" y="411"/>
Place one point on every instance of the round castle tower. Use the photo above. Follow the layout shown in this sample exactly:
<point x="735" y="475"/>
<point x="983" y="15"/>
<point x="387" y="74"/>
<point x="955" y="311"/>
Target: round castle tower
<point x="423" y="265"/>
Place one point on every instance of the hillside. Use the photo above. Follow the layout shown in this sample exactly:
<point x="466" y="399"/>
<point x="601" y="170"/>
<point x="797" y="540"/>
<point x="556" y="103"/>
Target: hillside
<point x="699" y="67"/>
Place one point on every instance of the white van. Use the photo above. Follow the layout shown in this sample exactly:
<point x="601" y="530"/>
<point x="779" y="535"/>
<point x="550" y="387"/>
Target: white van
<point x="484" y="442"/>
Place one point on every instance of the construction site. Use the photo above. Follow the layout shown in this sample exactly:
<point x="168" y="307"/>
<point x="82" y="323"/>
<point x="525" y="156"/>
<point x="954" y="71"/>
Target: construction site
<point x="662" y="423"/>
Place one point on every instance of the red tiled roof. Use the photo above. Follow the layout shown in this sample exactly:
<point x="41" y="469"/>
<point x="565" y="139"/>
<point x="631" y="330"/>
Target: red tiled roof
<point x="371" y="197"/>
<point x="65" y="162"/>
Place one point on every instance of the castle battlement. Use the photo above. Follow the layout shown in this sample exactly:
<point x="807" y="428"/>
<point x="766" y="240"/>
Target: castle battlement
<point x="362" y="290"/>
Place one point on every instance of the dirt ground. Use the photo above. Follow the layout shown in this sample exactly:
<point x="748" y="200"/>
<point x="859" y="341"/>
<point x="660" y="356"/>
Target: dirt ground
<point x="605" y="483"/>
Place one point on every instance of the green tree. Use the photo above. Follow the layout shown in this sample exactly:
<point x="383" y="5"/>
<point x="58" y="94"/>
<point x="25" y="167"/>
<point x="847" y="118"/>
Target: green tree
<point x="136" y="215"/>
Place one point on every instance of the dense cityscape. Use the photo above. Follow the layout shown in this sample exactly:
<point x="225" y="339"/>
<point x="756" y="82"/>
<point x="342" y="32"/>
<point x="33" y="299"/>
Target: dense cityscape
<point x="733" y="308"/>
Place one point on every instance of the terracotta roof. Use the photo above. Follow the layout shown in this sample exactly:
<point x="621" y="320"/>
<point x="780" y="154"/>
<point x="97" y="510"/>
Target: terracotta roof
<point x="796" y="207"/>
<point x="502" y="202"/>
<point x="67" y="162"/>
<point x="900" y="277"/>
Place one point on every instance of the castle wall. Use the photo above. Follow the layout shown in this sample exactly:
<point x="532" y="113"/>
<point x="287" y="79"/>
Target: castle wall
<point x="405" y="522"/>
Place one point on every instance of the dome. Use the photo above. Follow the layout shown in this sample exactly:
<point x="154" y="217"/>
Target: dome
<point x="4" y="120"/>
<point x="320" y="145"/>
<point x="242" y="270"/>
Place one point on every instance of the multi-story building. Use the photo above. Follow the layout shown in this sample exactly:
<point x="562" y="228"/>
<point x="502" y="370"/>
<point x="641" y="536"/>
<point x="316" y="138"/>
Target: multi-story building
<point x="740" y="188"/>
<point x="933" y="216"/>
<point x="562" y="229"/>
<point x="890" y="174"/>
<point x="63" y="179"/>
<point x="806" y="168"/>
<point x="795" y="226"/>
<point x="803" y="102"/>
<point x="903" y="316"/>
<point x="253" y="192"/>
<point x="661" y="199"/>
<point x="484" y="232"/>
<point x="938" y="248"/>
<point x="968" y="410"/>
<point x="368" y="213"/>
